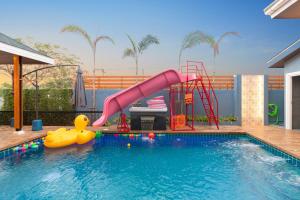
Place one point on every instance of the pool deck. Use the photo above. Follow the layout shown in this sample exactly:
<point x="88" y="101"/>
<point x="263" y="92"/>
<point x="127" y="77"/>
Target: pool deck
<point x="9" y="138"/>
<point x="287" y="141"/>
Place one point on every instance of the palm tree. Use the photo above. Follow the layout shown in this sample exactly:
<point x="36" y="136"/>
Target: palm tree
<point x="93" y="45"/>
<point x="215" y="43"/>
<point x="137" y="49"/>
<point x="191" y="40"/>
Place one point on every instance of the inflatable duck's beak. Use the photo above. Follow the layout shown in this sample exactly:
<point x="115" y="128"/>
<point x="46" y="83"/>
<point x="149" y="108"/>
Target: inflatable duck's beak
<point x="86" y="120"/>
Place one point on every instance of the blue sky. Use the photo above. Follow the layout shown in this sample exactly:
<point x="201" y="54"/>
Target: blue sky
<point x="169" y="20"/>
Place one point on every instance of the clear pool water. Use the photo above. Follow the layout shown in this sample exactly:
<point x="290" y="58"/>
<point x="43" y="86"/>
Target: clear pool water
<point x="171" y="167"/>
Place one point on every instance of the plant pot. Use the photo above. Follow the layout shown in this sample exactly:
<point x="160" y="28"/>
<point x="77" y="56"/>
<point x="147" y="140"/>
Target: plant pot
<point x="37" y="125"/>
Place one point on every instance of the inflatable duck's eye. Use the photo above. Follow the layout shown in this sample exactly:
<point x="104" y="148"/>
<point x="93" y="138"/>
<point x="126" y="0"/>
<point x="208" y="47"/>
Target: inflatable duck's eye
<point x="85" y="119"/>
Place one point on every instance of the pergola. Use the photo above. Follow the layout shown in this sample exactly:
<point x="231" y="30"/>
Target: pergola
<point x="17" y="54"/>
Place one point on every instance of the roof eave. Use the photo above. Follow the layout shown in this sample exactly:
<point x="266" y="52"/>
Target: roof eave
<point x="277" y="7"/>
<point x="279" y="60"/>
<point x="27" y="54"/>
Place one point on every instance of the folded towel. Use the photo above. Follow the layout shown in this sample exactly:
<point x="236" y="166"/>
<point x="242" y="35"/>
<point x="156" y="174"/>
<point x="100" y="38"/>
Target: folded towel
<point x="159" y="98"/>
<point x="150" y="102"/>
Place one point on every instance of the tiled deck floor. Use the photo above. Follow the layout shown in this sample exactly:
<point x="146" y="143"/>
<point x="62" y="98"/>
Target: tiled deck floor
<point x="285" y="140"/>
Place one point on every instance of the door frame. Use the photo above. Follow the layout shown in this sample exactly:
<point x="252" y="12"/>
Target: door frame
<point x="288" y="97"/>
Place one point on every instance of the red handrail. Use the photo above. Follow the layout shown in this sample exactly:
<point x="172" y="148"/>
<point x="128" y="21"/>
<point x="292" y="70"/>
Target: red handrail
<point x="213" y="92"/>
<point x="192" y="67"/>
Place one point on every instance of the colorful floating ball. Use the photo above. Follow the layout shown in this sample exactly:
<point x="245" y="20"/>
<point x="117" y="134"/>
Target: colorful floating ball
<point x="116" y="135"/>
<point x="98" y="134"/>
<point x="151" y="135"/>
<point x="34" y="146"/>
<point x="128" y="145"/>
<point x="131" y="136"/>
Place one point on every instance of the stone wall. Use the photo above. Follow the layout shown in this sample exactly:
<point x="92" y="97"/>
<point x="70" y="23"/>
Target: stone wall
<point x="253" y="100"/>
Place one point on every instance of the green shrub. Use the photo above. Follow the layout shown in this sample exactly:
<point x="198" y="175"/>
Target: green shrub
<point x="228" y="119"/>
<point x="203" y="118"/>
<point x="8" y="102"/>
<point x="49" y="99"/>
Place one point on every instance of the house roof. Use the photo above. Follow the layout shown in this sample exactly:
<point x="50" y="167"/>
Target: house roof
<point x="10" y="47"/>
<point x="283" y="9"/>
<point x="286" y="54"/>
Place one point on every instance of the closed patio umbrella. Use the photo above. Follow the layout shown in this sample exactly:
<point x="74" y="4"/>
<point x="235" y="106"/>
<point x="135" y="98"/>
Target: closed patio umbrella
<point x="79" y="96"/>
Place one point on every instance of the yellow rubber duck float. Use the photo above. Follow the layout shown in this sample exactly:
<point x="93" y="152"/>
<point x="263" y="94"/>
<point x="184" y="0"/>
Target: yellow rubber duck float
<point x="63" y="137"/>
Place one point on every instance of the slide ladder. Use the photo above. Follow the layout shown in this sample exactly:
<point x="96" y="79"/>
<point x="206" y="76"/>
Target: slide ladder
<point x="206" y="91"/>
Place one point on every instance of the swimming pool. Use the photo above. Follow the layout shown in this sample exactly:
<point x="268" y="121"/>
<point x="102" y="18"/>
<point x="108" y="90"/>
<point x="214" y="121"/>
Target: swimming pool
<point x="181" y="166"/>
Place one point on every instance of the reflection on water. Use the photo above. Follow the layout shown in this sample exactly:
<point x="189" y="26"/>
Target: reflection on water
<point x="73" y="149"/>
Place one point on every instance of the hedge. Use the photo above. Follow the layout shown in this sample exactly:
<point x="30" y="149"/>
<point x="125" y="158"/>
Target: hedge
<point x="50" y="118"/>
<point x="49" y="99"/>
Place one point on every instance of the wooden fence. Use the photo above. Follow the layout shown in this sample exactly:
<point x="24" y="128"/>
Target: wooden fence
<point x="122" y="82"/>
<point x="275" y="82"/>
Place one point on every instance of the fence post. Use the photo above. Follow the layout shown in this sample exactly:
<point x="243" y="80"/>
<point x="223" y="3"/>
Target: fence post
<point x="237" y="98"/>
<point x="266" y="100"/>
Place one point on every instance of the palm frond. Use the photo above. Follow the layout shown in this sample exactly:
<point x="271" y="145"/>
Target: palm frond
<point x="227" y="34"/>
<point x="128" y="53"/>
<point x="79" y="30"/>
<point x="146" y="42"/>
<point x="211" y="40"/>
<point x="195" y="38"/>
<point x="215" y="46"/>
<point x="103" y="37"/>
<point x="133" y="44"/>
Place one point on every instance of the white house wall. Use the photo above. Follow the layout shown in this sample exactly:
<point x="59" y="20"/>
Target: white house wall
<point x="291" y="68"/>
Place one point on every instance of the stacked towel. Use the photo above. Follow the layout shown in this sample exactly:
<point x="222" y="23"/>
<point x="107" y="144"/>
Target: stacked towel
<point x="157" y="102"/>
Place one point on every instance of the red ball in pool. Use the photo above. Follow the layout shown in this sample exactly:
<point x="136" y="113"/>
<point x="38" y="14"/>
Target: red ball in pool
<point x="151" y="135"/>
<point x="131" y="136"/>
<point x="116" y="135"/>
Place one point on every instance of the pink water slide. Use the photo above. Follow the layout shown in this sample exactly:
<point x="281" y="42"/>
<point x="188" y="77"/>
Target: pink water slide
<point x="122" y="99"/>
